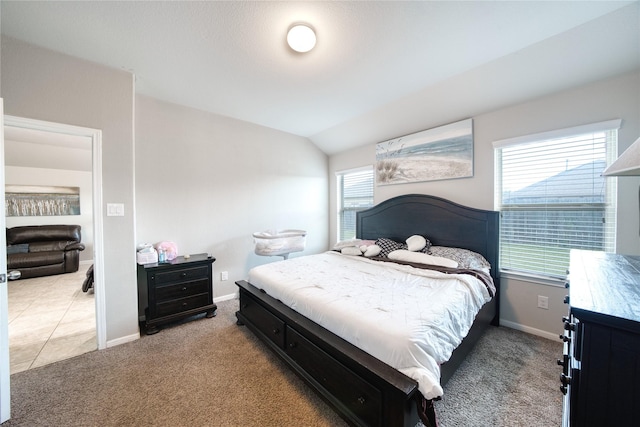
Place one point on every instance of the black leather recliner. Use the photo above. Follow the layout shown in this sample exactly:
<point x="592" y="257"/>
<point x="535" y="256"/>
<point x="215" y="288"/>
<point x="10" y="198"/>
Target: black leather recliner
<point x="43" y="250"/>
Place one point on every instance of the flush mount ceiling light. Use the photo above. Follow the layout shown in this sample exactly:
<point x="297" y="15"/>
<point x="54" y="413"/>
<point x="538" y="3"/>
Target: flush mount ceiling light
<point x="301" y="38"/>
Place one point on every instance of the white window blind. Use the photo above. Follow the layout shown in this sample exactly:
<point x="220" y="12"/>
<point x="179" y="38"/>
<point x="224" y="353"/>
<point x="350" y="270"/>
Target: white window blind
<point x="355" y="193"/>
<point x="552" y="197"/>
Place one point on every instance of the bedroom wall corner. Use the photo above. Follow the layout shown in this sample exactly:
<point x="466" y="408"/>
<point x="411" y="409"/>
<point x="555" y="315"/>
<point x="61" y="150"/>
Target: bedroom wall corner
<point x="208" y="182"/>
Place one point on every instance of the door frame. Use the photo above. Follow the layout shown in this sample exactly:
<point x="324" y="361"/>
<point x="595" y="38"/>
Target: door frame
<point x="98" y="234"/>
<point x="5" y="367"/>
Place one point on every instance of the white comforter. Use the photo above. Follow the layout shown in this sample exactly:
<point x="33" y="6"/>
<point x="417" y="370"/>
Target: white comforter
<point x="409" y="318"/>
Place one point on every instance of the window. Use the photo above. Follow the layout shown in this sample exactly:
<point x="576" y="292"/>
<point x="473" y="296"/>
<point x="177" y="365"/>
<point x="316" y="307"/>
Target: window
<point x="552" y="198"/>
<point x="355" y="193"/>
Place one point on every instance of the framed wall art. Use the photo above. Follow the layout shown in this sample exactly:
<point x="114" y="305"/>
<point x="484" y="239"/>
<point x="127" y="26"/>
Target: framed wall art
<point x="33" y="200"/>
<point x="445" y="152"/>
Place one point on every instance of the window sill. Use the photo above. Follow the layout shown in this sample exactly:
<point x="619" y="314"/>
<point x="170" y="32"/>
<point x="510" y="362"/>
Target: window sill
<point x="532" y="278"/>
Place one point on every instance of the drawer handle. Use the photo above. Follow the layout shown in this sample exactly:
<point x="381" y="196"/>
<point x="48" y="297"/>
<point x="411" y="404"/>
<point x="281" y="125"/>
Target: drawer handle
<point x="184" y="288"/>
<point x="276" y="331"/>
<point x="562" y="362"/>
<point x="361" y="400"/>
<point x="184" y="304"/>
<point x="183" y="274"/>
<point x="293" y="344"/>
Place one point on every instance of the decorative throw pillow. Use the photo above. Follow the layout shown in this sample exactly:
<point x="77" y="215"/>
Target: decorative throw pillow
<point x="416" y="243"/>
<point x="364" y="244"/>
<point x="351" y="250"/>
<point x="388" y="245"/>
<point x="347" y="244"/>
<point x="464" y="257"/>
<point x="422" y="258"/>
<point x="373" y="250"/>
<point x="426" y="248"/>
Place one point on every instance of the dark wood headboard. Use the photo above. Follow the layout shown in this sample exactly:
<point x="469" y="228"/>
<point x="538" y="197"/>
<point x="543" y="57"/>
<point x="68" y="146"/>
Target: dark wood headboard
<point x="442" y="221"/>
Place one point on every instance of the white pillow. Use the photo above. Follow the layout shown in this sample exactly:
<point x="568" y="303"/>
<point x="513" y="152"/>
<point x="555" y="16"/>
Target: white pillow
<point x="422" y="258"/>
<point x="372" y="250"/>
<point x="351" y="250"/>
<point x="347" y="243"/>
<point x="416" y="243"/>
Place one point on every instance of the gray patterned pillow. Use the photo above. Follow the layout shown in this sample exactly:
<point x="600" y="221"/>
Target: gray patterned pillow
<point x="464" y="257"/>
<point x="427" y="247"/>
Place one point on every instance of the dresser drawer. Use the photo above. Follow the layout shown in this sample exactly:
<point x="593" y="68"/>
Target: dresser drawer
<point x="181" y="290"/>
<point x="267" y="323"/>
<point x="181" y="275"/>
<point x="182" y="304"/>
<point x="361" y="398"/>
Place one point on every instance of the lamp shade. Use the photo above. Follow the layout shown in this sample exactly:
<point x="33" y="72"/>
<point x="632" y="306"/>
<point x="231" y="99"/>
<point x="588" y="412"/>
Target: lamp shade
<point x="628" y="164"/>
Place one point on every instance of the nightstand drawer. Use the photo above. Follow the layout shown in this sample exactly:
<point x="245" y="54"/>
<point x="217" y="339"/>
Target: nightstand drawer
<point x="181" y="290"/>
<point x="182" y="304"/>
<point x="181" y="275"/>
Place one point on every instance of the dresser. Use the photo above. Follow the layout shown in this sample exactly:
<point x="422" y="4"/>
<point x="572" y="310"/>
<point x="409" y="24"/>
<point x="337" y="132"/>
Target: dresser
<point x="174" y="290"/>
<point x="600" y="376"/>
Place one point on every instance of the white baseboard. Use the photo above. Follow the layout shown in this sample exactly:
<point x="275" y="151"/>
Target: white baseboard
<point x="134" y="337"/>
<point x="539" y="332"/>
<point x="226" y="297"/>
<point x="123" y="340"/>
<point x="86" y="261"/>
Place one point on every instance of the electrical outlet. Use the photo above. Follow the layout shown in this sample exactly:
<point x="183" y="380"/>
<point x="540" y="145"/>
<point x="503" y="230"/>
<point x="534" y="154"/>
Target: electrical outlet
<point x="543" y="302"/>
<point x="224" y="275"/>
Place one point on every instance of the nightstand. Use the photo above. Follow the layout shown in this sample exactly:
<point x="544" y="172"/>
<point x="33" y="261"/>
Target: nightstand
<point x="174" y="290"/>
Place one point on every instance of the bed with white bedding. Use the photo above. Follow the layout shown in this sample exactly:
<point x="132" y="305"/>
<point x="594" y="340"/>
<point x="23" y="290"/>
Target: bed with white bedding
<point x="378" y="338"/>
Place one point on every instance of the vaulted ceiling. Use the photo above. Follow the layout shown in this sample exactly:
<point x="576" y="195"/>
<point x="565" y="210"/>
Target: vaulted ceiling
<point x="379" y="70"/>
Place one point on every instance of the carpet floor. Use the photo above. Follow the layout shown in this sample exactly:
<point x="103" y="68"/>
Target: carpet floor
<point x="211" y="372"/>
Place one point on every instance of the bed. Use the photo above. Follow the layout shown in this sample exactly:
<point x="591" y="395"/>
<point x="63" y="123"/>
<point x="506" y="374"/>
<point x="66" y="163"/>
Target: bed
<point x="362" y="388"/>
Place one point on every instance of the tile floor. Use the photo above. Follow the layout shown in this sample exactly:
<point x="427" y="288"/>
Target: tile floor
<point x="50" y="319"/>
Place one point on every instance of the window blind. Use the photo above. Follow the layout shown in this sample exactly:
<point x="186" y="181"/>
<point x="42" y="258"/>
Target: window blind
<point x="552" y="198"/>
<point x="355" y="193"/>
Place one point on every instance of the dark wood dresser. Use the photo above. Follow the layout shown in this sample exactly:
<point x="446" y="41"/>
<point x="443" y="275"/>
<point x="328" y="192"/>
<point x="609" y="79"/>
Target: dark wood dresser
<point x="175" y="289"/>
<point x="601" y="360"/>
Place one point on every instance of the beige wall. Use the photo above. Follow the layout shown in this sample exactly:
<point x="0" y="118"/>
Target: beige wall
<point x="207" y="182"/>
<point x="44" y="85"/>
<point x="204" y="181"/>
<point x="617" y="98"/>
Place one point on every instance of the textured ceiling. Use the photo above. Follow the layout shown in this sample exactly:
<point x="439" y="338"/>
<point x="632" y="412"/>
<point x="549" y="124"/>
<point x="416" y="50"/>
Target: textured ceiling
<point x="375" y="63"/>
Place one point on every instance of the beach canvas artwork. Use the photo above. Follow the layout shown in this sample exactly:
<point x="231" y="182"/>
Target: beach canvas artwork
<point x="445" y="152"/>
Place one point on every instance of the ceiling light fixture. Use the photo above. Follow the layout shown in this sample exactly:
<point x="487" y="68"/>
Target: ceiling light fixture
<point x="301" y="38"/>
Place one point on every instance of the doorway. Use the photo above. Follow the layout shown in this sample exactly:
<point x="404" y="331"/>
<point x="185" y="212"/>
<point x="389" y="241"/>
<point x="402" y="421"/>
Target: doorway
<point x="63" y="152"/>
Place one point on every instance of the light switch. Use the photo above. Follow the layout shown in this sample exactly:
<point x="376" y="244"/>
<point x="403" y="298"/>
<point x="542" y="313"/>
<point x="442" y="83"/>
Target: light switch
<point x="115" y="209"/>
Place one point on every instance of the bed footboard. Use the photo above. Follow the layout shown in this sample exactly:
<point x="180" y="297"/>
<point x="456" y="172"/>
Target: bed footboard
<point x="362" y="389"/>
